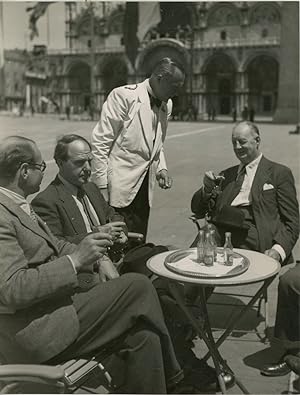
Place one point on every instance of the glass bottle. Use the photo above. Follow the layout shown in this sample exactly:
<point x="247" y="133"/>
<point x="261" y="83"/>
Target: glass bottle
<point x="208" y="250"/>
<point x="228" y="250"/>
<point x="214" y="243"/>
<point x="200" y="247"/>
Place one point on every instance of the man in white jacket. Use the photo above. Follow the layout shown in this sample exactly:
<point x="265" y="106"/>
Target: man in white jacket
<point x="127" y="143"/>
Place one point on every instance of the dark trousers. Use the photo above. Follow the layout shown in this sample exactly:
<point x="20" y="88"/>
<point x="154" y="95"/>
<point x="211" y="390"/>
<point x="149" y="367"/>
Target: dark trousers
<point x="130" y="305"/>
<point x="287" y="324"/>
<point x="136" y="215"/>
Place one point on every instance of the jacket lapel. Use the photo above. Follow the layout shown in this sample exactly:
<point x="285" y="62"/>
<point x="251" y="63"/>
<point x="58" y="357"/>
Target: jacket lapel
<point x="262" y="176"/>
<point x="38" y="228"/>
<point x="70" y="207"/>
<point x="145" y="115"/>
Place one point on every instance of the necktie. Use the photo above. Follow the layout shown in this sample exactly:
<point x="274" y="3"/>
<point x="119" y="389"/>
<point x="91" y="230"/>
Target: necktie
<point x="81" y="195"/>
<point x="154" y="101"/>
<point x="33" y="214"/>
<point x="240" y="177"/>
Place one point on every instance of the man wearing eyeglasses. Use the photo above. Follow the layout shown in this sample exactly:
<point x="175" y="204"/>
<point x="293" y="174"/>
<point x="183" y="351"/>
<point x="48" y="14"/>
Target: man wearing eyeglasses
<point x="53" y="307"/>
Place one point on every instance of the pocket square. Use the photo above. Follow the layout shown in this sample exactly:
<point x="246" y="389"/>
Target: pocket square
<point x="267" y="187"/>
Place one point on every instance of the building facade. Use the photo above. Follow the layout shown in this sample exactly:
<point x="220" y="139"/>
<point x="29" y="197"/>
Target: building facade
<point x="229" y="50"/>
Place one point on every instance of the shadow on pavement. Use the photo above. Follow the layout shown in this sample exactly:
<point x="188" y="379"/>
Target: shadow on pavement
<point x="223" y="308"/>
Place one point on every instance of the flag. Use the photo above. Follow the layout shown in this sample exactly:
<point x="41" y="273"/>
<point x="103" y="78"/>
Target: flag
<point x="139" y="18"/>
<point x="37" y="11"/>
<point x="149" y="16"/>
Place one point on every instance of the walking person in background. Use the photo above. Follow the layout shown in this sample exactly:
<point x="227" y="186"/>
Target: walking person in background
<point x="234" y="114"/>
<point x="245" y="113"/>
<point x="127" y="143"/>
<point x="251" y="114"/>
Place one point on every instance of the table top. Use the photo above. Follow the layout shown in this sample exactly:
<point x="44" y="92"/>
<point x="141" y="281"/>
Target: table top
<point x="261" y="268"/>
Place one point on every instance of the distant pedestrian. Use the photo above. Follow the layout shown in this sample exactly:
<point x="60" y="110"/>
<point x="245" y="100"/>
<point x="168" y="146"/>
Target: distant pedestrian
<point x="251" y="114"/>
<point x="68" y="111"/>
<point x="234" y="114"/>
<point x="245" y="114"/>
<point x="32" y="109"/>
<point x="213" y="114"/>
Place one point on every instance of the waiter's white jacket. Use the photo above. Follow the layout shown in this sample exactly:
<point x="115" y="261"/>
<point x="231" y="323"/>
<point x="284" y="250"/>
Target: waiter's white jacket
<point x="124" y="143"/>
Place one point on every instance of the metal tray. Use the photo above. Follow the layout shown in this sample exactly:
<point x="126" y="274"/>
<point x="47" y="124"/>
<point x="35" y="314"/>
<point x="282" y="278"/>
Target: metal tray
<point x="180" y="254"/>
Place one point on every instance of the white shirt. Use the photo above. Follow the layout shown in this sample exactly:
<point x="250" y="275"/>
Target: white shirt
<point x="73" y="189"/>
<point x="244" y="197"/>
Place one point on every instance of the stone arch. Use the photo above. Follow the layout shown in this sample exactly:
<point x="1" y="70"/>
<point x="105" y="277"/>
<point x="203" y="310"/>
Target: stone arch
<point x="79" y="85"/>
<point x="158" y="49"/>
<point x="265" y="13"/>
<point x="223" y="14"/>
<point x="113" y="73"/>
<point x="260" y="53"/>
<point x="219" y="72"/>
<point x="262" y="74"/>
<point x="116" y="21"/>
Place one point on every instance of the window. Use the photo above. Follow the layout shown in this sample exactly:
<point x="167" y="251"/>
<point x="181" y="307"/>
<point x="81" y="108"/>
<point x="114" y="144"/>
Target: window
<point x="264" y="33"/>
<point x="223" y="35"/>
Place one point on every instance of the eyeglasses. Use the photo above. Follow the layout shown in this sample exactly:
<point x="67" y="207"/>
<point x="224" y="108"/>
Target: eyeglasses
<point x="41" y="166"/>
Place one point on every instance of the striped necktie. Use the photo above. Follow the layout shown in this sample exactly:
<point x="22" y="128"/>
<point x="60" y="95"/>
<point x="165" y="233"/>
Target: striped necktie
<point x="82" y="197"/>
<point x="33" y="215"/>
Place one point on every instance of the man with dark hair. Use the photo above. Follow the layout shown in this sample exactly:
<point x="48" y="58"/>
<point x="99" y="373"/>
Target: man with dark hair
<point x="128" y="142"/>
<point x="71" y="205"/>
<point x="52" y="305"/>
<point x="255" y="200"/>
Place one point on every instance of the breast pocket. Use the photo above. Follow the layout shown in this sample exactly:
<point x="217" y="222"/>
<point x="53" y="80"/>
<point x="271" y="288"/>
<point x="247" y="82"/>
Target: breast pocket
<point x="269" y="196"/>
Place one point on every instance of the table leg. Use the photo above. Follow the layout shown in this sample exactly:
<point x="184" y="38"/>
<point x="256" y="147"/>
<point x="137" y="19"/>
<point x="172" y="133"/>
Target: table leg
<point x="205" y="335"/>
<point x="236" y="319"/>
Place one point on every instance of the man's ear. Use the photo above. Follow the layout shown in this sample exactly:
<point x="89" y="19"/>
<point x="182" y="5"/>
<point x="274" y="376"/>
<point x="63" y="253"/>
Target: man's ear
<point x="24" y="170"/>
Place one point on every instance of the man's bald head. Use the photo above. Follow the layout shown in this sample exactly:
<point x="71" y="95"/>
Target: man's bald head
<point x="14" y="151"/>
<point x="246" y="141"/>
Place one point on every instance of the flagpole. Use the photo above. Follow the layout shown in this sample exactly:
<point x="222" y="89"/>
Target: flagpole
<point x="92" y="53"/>
<point x="2" y="60"/>
<point x="48" y="28"/>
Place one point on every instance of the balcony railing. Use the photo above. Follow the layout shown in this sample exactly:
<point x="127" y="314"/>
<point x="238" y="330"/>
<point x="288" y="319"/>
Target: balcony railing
<point x="84" y="51"/>
<point x="228" y="43"/>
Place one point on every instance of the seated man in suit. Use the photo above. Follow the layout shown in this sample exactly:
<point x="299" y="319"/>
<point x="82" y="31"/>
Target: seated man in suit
<point x="71" y="205"/>
<point x="59" y="206"/>
<point x="52" y="305"/>
<point x="255" y="200"/>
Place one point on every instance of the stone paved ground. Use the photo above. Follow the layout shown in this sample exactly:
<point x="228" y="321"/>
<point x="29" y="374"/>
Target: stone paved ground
<point x="191" y="149"/>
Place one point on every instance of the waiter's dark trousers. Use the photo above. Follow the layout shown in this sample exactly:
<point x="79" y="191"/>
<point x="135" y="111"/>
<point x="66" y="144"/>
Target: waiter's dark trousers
<point x="136" y="215"/>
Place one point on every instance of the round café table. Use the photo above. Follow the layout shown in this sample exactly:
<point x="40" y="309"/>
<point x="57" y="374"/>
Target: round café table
<point x="261" y="269"/>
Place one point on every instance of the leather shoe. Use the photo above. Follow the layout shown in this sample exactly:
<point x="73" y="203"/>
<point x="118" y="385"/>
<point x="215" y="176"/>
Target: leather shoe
<point x="203" y="377"/>
<point x="275" y="369"/>
<point x="293" y="362"/>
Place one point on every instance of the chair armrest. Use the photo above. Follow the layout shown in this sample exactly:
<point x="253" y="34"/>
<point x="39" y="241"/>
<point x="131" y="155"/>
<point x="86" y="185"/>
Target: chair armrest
<point x="31" y="372"/>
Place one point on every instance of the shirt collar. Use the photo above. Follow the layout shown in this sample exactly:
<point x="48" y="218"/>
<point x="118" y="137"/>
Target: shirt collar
<point x="19" y="200"/>
<point x="70" y="187"/>
<point x="252" y="165"/>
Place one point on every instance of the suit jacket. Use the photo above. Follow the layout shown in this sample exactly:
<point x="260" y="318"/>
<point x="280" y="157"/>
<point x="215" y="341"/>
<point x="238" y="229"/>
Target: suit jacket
<point x="123" y="146"/>
<point x="56" y="206"/>
<point x="275" y="210"/>
<point x="37" y="282"/>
